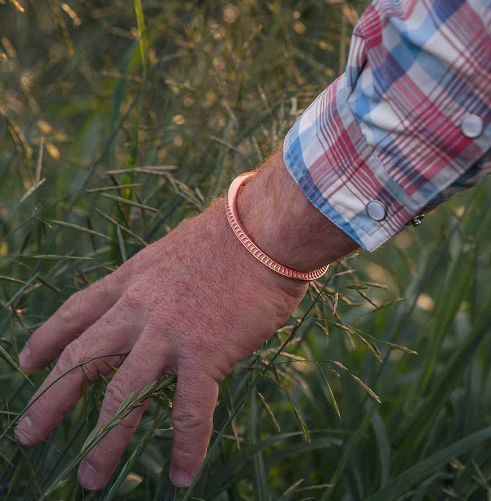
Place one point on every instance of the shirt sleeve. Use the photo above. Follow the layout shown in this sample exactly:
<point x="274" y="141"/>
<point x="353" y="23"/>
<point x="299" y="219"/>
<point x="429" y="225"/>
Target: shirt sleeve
<point x="406" y="126"/>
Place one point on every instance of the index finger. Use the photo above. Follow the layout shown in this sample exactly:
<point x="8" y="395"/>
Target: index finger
<point x="78" y="313"/>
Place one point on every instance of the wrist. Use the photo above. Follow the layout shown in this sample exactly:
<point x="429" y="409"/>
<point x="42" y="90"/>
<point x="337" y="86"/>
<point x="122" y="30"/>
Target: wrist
<point x="235" y="257"/>
<point x="284" y="224"/>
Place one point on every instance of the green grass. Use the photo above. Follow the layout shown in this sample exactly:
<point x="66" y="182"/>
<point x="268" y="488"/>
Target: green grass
<point x="118" y="120"/>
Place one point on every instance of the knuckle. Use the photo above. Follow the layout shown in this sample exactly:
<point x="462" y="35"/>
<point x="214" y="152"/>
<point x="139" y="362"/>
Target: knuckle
<point x="68" y="312"/>
<point x="110" y="321"/>
<point x="101" y="288"/>
<point x="187" y="420"/>
<point x="71" y="357"/>
<point x="134" y="296"/>
<point x="98" y="292"/>
<point x="115" y="394"/>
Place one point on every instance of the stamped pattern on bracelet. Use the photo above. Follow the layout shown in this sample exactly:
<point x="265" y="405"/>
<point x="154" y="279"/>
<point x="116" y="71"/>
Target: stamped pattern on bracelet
<point x="261" y="256"/>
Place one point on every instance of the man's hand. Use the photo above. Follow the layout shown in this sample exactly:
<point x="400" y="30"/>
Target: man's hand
<point x="191" y="305"/>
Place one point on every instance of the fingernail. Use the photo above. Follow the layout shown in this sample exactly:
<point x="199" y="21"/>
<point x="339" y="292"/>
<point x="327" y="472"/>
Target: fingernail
<point x="88" y="476"/>
<point x="179" y="478"/>
<point x="22" y="430"/>
<point x="24" y="355"/>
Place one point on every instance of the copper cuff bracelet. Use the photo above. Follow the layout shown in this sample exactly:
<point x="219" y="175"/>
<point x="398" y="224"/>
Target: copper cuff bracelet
<point x="246" y="241"/>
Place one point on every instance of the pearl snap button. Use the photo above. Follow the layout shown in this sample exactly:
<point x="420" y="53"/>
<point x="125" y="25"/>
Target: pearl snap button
<point x="472" y="126"/>
<point x="376" y="210"/>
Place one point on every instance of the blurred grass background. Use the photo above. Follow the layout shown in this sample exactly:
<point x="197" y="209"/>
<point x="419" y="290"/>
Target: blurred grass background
<point x="117" y="120"/>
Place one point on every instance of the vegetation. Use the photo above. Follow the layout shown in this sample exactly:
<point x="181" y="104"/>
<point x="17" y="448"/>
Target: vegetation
<point x="118" y="120"/>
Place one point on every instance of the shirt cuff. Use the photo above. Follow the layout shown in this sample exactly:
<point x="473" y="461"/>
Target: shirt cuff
<point x="340" y="174"/>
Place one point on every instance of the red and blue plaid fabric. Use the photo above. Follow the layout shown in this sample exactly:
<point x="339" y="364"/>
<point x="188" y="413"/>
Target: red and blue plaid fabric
<point x="390" y="128"/>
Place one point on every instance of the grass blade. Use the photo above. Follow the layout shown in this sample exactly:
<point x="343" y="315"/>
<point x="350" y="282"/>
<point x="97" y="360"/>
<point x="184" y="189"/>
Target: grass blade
<point x="401" y="484"/>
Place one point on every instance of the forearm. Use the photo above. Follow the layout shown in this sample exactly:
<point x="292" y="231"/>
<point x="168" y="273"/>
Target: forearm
<point x="284" y="224"/>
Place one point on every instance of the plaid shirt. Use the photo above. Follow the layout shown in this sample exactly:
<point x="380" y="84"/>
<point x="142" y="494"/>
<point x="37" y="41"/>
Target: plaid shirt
<point x="407" y="125"/>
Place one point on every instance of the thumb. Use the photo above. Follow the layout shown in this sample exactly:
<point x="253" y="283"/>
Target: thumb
<point x="192" y="419"/>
